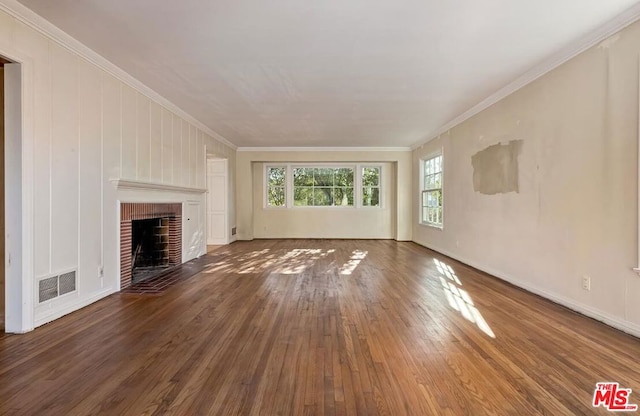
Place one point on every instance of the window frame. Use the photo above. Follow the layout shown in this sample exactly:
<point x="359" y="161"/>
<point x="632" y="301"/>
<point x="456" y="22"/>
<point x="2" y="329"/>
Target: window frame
<point x="265" y="180"/>
<point x="289" y="187"/>
<point x="323" y="166"/>
<point x="360" y="168"/>
<point x="423" y="189"/>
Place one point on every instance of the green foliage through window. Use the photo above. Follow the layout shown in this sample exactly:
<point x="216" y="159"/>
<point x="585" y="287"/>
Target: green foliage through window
<point x="370" y="186"/>
<point x="276" y="186"/>
<point x="323" y="187"/>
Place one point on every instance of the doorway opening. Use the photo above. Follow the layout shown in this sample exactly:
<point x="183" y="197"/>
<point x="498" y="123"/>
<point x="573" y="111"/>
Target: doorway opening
<point x="217" y="202"/>
<point x="16" y="301"/>
<point x="2" y="228"/>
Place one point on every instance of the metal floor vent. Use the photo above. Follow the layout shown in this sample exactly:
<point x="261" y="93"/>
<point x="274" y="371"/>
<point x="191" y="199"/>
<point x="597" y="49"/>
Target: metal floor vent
<point x="55" y="286"/>
<point x="48" y="289"/>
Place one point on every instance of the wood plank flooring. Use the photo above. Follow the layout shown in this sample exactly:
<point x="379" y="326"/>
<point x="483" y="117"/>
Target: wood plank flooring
<point x="319" y="327"/>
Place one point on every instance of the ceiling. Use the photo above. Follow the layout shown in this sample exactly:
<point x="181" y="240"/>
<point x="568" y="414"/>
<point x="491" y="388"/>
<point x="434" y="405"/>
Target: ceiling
<point x="327" y="72"/>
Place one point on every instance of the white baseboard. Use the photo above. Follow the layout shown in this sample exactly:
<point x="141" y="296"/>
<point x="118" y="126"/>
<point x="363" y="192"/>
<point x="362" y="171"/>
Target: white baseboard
<point x="72" y="307"/>
<point x="222" y="242"/>
<point x="591" y="312"/>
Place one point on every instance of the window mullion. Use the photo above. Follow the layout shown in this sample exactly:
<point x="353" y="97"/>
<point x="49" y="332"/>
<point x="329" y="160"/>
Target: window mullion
<point x="357" y="185"/>
<point x="289" y="186"/>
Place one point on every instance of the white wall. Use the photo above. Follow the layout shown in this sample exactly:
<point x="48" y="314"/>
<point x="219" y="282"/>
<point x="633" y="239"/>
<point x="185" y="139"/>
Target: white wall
<point x="391" y="221"/>
<point x="576" y="210"/>
<point x="89" y="128"/>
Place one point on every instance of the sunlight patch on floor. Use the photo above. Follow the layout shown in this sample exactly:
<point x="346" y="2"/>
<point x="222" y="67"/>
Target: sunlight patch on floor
<point x="459" y="299"/>
<point x="255" y="261"/>
<point x="356" y="257"/>
<point x="216" y="267"/>
<point x="294" y="261"/>
<point x="297" y="260"/>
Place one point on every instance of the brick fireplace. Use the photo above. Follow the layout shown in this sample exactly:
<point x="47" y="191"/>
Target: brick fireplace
<point x="167" y="242"/>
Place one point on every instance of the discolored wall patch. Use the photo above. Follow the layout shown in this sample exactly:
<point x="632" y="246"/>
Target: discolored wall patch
<point x="495" y="169"/>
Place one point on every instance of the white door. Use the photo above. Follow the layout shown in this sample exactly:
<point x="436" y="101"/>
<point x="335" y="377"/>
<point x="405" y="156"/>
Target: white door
<point x="217" y="202"/>
<point x="194" y="245"/>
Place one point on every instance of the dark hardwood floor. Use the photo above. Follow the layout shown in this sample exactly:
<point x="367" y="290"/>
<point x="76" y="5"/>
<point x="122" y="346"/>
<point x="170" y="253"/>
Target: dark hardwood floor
<point x="304" y="327"/>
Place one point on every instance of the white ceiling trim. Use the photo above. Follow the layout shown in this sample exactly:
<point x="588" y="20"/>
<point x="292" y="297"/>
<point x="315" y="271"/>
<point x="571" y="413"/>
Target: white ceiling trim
<point x="608" y="29"/>
<point x="48" y="29"/>
<point x="324" y="149"/>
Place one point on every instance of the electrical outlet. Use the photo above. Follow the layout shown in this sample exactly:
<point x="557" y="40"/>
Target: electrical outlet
<point x="586" y="282"/>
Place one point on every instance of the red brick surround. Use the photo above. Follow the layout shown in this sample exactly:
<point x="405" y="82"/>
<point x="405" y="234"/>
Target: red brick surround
<point x="135" y="211"/>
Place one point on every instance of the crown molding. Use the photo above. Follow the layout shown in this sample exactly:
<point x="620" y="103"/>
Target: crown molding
<point x="48" y="29"/>
<point x="324" y="149"/>
<point x="603" y="32"/>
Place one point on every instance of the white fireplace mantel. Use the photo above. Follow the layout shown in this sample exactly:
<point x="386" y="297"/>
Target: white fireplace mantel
<point x="154" y="186"/>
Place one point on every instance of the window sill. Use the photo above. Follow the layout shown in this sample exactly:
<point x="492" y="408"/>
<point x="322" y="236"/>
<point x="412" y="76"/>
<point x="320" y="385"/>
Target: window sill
<point x="328" y="208"/>
<point x="437" y="227"/>
<point x="336" y="207"/>
<point x="637" y="270"/>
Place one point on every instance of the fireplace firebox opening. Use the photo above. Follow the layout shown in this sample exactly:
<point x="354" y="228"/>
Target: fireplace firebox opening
<point x="150" y="240"/>
<point x="149" y="248"/>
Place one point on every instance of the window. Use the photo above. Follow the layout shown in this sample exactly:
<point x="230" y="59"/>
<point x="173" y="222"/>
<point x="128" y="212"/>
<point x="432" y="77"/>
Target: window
<point x="329" y="185"/>
<point x="431" y="200"/>
<point x="370" y="186"/>
<point x="276" y="186"/>
<point x="323" y="186"/>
